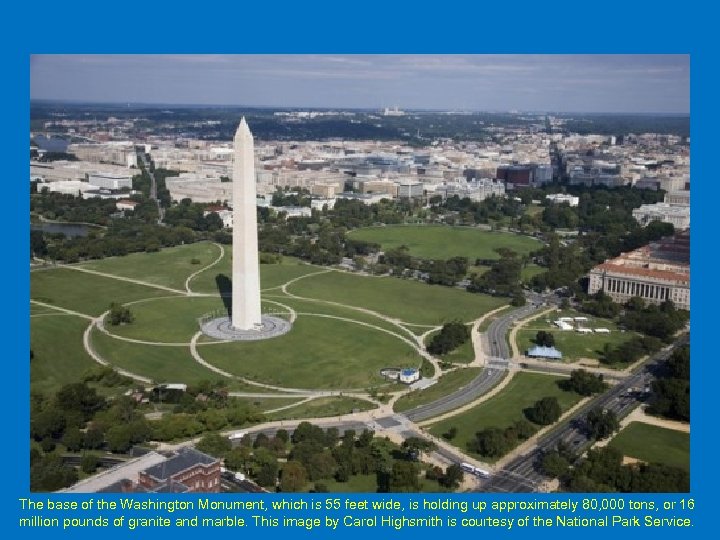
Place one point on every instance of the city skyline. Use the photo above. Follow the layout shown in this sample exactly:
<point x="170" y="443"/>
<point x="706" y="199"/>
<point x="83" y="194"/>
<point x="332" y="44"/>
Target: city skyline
<point x="641" y="84"/>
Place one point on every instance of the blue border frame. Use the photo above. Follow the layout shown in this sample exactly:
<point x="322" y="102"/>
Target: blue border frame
<point x="367" y="27"/>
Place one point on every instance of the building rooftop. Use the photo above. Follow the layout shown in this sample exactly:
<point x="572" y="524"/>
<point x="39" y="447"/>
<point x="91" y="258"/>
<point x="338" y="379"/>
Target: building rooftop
<point x="113" y="477"/>
<point x="545" y="352"/>
<point x="644" y="272"/>
<point x="185" y="459"/>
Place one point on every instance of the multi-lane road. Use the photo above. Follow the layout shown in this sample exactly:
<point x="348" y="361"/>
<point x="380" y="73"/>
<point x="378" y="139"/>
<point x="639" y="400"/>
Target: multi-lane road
<point x="153" y="189"/>
<point x="524" y="474"/>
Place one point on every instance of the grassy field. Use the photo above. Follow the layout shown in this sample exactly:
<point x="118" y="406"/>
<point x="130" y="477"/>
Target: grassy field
<point x="504" y="408"/>
<point x="316" y="353"/>
<point x="161" y="364"/>
<point x="531" y="270"/>
<point x="321" y="407"/>
<point x="447" y="384"/>
<point x="169" y="267"/>
<point x="271" y="275"/>
<point x="409" y="301"/>
<point x="42" y="310"/>
<point x="442" y="242"/>
<point x="359" y="483"/>
<point x="166" y="320"/>
<point x="53" y="366"/>
<point x="85" y="293"/>
<point x="308" y="306"/>
<point x="654" y="444"/>
<point x="172" y="320"/>
<point x="572" y="344"/>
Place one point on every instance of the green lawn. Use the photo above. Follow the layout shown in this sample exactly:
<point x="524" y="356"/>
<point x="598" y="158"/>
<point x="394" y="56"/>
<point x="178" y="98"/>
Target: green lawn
<point x="504" y="408"/>
<point x="572" y="344"/>
<point x="169" y="267"/>
<point x="321" y="407"/>
<point x="654" y="444"/>
<point x="443" y="242"/>
<point x="308" y="306"/>
<point x="271" y="275"/>
<point x="533" y="209"/>
<point x="172" y="320"/>
<point x="531" y="270"/>
<point x="85" y="293"/>
<point x="316" y="353"/>
<point x="359" y="483"/>
<point x="447" y="384"/>
<point x="161" y="364"/>
<point x="52" y="365"/>
<point x="410" y="301"/>
<point x="42" y="310"/>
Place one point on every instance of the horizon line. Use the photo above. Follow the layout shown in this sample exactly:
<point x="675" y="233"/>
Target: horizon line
<point x="353" y="108"/>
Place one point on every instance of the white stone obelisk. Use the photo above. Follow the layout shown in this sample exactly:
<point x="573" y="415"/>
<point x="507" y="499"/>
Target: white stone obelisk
<point x="245" y="273"/>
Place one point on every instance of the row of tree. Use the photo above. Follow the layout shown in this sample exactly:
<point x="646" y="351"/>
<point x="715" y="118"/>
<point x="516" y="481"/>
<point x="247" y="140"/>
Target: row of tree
<point x="313" y="456"/>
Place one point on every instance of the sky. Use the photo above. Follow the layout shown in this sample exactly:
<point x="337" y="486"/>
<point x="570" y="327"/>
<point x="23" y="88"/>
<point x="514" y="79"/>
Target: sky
<point x="553" y="83"/>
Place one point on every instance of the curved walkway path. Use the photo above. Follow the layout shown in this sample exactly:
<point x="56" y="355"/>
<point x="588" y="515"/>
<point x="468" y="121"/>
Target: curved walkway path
<point x="419" y="344"/>
<point x="192" y="276"/>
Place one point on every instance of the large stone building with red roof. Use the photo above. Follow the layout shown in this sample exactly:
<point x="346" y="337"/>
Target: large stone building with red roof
<point x="657" y="272"/>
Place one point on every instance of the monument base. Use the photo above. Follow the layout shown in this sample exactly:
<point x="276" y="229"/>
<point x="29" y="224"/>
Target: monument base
<point x="221" y="328"/>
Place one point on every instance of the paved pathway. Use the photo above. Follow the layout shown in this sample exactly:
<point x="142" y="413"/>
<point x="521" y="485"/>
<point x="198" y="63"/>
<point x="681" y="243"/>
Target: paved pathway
<point x="100" y="360"/>
<point x="192" y="276"/>
<point x="122" y="278"/>
<point x="68" y="311"/>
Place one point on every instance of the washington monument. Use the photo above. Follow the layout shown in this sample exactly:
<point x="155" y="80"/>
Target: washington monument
<point x="245" y="272"/>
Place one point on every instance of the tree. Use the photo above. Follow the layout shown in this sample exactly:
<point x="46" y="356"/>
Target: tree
<point x="214" y="444"/>
<point x="404" y="477"/>
<point x="584" y="383"/>
<point x="49" y="423"/>
<point x="545" y="411"/>
<point x="73" y="439"/>
<point x="89" y="463"/>
<point x="94" y="438"/>
<point x="555" y="465"/>
<point x="238" y="458"/>
<point x="415" y="446"/>
<point x="602" y="424"/>
<point x="49" y="474"/>
<point x="38" y="246"/>
<point x="321" y="465"/>
<point x="119" y="439"/>
<point x="267" y="475"/>
<point x="119" y="314"/>
<point x="451" y="336"/>
<point x="544" y="339"/>
<point x="491" y="442"/>
<point x="453" y="477"/>
<point x="293" y="477"/>
<point x="79" y="397"/>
